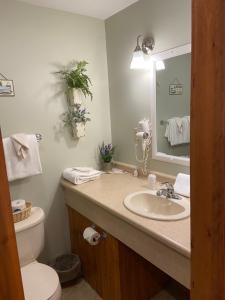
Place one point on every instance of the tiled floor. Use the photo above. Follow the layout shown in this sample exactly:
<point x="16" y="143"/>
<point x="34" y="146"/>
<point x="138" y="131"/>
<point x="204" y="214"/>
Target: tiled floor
<point x="82" y="291"/>
<point x="174" y="291"/>
<point x="166" y="295"/>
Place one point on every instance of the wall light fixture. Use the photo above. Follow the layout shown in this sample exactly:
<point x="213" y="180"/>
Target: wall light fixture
<point x="145" y="49"/>
<point x="138" y="60"/>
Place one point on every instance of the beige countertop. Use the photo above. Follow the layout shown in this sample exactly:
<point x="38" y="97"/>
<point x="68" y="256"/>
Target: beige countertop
<point x="109" y="192"/>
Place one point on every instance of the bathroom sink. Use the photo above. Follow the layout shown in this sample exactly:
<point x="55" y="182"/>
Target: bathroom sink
<point x="147" y="204"/>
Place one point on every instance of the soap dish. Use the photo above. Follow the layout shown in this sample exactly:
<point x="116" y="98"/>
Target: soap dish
<point x="23" y="214"/>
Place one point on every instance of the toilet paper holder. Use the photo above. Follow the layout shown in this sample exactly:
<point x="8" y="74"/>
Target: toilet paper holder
<point x="103" y="235"/>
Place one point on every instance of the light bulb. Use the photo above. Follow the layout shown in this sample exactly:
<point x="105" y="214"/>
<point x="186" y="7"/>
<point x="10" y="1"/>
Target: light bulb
<point x="160" y="65"/>
<point x="138" y="61"/>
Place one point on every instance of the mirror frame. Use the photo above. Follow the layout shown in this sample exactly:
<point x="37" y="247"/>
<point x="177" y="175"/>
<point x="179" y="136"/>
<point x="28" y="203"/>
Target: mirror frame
<point x="180" y="50"/>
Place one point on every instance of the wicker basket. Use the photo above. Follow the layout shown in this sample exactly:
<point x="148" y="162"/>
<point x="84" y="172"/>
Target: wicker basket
<point x="22" y="215"/>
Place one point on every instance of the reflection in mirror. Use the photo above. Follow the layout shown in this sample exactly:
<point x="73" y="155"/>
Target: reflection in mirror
<point x="171" y="106"/>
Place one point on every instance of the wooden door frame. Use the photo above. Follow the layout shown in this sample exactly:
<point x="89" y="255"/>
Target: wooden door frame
<point x="208" y="150"/>
<point x="10" y="277"/>
<point x="207" y="166"/>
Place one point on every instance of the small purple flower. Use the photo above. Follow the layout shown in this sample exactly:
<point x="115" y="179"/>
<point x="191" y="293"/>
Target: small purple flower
<point x="102" y="150"/>
<point x="106" y="152"/>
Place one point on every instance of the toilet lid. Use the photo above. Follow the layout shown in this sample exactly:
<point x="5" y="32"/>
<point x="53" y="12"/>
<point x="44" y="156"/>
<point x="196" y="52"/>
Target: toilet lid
<point x="40" y="282"/>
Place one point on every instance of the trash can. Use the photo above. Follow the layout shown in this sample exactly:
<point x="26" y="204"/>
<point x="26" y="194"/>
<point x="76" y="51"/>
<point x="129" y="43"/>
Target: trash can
<point x="68" y="267"/>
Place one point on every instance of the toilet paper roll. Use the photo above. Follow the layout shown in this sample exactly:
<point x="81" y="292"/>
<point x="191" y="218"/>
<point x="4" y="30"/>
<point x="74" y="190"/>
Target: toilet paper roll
<point x="143" y="125"/>
<point x="91" y="236"/>
<point x="141" y="135"/>
<point x="18" y="205"/>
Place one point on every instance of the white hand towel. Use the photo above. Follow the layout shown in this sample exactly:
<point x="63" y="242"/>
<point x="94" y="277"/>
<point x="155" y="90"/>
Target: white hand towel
<point x="182" y="185"/>
<point x="85" y="170"/>
<point x="81" y="175"/>
<point x="178" y="131"/>
<point x="173" y="134"/>
<point x="179" y="124"/>
<point x="186" y="129"/>
<point x="20" y="144"/>
<point x="20" y="168"/>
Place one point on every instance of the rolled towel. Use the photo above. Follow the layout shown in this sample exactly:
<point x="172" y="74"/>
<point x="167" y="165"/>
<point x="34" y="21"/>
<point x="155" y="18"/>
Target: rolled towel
<point x="182" y="185"/>
<point x="78" y="175"/>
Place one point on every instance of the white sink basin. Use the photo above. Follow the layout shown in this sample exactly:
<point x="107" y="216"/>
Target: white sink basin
<point x="147" y="204"/>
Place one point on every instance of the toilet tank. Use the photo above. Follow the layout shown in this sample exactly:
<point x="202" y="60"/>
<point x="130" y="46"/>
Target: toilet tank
<point x="30" y="236"/>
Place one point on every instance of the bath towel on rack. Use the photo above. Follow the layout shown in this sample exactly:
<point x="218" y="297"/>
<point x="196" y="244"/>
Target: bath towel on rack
<point x="178" y="131"/>
<point x="21" y="167"/>
<point x="20" y="144"/>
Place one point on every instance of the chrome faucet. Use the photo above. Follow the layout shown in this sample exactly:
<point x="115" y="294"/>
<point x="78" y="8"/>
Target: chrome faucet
<point x="168" y="192"/>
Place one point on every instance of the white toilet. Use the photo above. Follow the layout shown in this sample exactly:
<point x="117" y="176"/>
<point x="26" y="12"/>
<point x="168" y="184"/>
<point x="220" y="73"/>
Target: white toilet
<point x="40" y="282"/>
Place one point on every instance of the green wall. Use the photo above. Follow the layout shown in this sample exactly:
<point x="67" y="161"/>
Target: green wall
<point x="35" y="42"/>
<point x="169" y="22"/>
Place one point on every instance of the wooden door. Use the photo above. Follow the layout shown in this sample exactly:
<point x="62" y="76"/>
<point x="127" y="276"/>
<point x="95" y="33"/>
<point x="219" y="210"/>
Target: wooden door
<point x="10" y="278"/>
<point x="208" y="150"/>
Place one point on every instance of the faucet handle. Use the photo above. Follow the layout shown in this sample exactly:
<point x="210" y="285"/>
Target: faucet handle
<point x="168" y="185"/>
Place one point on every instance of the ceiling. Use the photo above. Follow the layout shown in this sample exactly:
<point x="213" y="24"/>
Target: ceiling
<point x="101" y="9"/>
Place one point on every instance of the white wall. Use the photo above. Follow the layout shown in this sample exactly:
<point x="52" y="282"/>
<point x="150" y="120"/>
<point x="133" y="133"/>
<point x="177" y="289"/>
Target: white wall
<point x="169" y="22"/>
<point x="35" y="42"/>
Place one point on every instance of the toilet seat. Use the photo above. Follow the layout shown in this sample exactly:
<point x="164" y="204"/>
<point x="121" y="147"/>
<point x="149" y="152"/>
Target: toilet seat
<point x="40" y="282"/>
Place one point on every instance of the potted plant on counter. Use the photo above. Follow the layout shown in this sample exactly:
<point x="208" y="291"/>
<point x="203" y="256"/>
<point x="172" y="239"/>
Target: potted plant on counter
<point x="78" y="83"/>
<point x="106" y="153"/>
<point x="77" y="119"/>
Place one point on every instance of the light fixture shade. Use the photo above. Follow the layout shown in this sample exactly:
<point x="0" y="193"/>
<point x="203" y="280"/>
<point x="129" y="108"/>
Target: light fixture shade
<point x="160" y="65"/>
<point x="138" y="61"/>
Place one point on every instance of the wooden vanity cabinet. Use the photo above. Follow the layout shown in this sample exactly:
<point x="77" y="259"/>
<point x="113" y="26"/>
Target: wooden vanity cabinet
<point x="112" y="269"/>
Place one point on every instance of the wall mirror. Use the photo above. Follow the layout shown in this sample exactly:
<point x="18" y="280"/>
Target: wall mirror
<point x="170" y="105"/>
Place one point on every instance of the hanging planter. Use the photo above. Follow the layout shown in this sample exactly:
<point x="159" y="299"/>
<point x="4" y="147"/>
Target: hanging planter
<point x="79" y="129"/>
<point x="76" y="118"/>
<point x="74" y="97"/>
<point x="77" y="79"/>
<point x="78" y="86"/>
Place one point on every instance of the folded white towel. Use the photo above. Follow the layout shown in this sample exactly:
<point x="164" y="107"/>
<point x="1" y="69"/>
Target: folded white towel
<point x="20" y="168"/>
<point x="20" y="144"/>
<point x="182" y="185"/>
<point x="79" y="175"/>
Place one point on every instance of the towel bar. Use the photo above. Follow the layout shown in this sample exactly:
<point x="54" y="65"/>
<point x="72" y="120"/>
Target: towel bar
<point x="38" y="136"/>
<point x="163" y="122"/>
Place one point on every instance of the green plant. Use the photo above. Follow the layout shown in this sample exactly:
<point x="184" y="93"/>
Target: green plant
<point x="106" y="152"/>
<point x="77" y="79"/>
<point x="76" y="116"/>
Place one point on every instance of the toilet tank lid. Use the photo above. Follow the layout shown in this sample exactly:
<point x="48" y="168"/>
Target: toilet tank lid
<point x="36" y="217"/>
